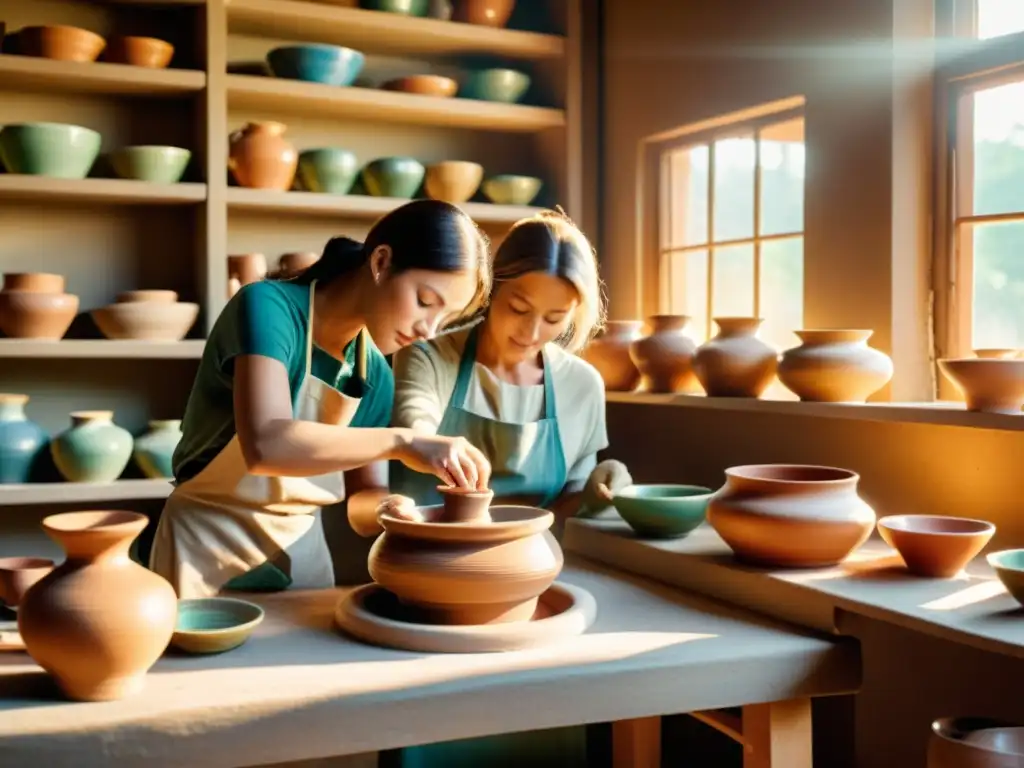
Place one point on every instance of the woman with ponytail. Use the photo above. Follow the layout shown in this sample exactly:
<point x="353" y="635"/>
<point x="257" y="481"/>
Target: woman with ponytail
<point x="292" y="405"/>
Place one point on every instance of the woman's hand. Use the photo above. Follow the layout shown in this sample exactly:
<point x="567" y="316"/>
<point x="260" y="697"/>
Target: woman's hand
<point x="608" y="478"/>
<point x="402" y="507"/>
<point x="453" y="459"/>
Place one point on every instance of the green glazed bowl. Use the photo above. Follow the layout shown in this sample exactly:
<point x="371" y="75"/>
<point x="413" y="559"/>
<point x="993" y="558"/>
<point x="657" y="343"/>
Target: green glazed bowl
<point x="510" y="189"/>
<point x="49" y="149"/>
<point x="1009" y="567"/>
<point x="505" y="85"/>
<point x="329" y="169"/>
<point x="393" y="177"/>
<point x="663" y="511"/>
<point x="406" y="7"/>
<point x="214" y="624"/>
<point x="155" y="164"/>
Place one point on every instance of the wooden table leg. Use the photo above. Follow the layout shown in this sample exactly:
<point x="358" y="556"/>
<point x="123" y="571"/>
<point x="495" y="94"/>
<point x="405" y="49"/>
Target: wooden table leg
<point x="778" y="735"/>
<point x="637" y="743"/>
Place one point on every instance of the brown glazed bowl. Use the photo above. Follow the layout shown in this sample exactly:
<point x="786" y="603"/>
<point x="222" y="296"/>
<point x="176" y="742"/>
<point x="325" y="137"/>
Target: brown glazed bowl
<point x="935" y="546"/>
<point x="17" y="574"/>
<point x="149" y="52"/>
<point x="60" y="42"/>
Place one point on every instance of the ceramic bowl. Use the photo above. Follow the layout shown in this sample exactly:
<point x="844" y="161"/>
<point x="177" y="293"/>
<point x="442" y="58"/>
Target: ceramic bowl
<point x="975" y="742"/>
<point x="996" y="354"/>
<point x="60" y="42"/>
<point x="329" y="169"/>
<point x="505" y="85"/>
<point x="17" y="574"/>
<point x="423" y="85"/>
<point x="510" y="189"/>
<point x="317" y="63"/>
<point x="393" y="177"/>
<point x="1009" y="567"/>
<point x="989" y="385"/>
<point x="155" y="164"/>
<point x="404" y="7"/>
<point x="935" y="546"/>
<point x="662" y="511"/>
<point x="146" y="321"/>
<point x="149" y="52"/>
<point x="453" y="181"/>
<point x="148" y="295"/>
<point x="488" y="13"/>
<point x="214" y="624"/>
<point x="49" y="149"/>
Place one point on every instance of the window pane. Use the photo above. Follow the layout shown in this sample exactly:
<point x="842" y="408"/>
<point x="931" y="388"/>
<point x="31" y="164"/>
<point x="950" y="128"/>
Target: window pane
<point x="689" y="290"/>
<point x="999" y="149"/>
<point x="782" y="178"/>
<point x="732" y="294"/>
<point x="998" y="300"/>
<point x="687" y="209"/>
<point x="999" y="17"/>
<point x="734" y="189"/>
<point x="782" y="291"/>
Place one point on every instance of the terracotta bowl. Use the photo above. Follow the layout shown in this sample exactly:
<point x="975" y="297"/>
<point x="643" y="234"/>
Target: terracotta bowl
<point x="34" y="282"/>
<point x="663" y="511"/>
<point x="17" y="574"/>
<point x="975" y="742"/>
<point x="464" y="505"/>
<point x="34" y="315"/>
<point x="488" y="13"/>
<point x="148" y="52"/>
<point x="989" y="385"/>
<point x="935" y="546"/>
<point x="146" y="321"/>
<point x="1009" y="567"/>
<point x="424" y="85"/>
<point x="158" y="296"/>
<point x="453" y="181"/>
<point x="214" y="624"/>
<point x="60" y="42"/>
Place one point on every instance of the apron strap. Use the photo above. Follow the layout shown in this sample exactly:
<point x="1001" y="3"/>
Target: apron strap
<point x="309" y="329"/>
<point x="466" y="363"/>
<point x="549" y="386"/>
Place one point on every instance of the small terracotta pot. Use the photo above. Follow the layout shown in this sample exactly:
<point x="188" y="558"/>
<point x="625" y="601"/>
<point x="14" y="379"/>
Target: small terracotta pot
<point x="609" y="354"/>
<point x="735" y="363"/>
<point x="453" y="181"/>
<point x="935" y="546"/>
<point x="261" y="158"/>
<point x="665" y="356"/>
<point x="60" y="42"/>
<point x="424" y="85"/>
<point x="245" y="268"/>
<point x="18" y="574"/>
<point x="38" y="311"/>
<point x="488" y="13"/>
<point x="834" y="366"/>
<point x="989" y="385"/>
<point x="149" y="52"/>
<point x="462" y="505"/>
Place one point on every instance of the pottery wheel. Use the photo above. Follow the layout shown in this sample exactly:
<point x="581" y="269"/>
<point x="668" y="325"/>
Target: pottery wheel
<point x="373" y="615"/>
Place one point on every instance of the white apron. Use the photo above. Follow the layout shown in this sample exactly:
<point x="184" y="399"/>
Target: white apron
<point x="225" y="522"/>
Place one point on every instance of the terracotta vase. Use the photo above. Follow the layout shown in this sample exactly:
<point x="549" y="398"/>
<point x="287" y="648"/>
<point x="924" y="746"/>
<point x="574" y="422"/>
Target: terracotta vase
<point x="245" y="268"/>
<point x="22" y="442"/>
<point x="463" y="505"/>
<point x="791" y="515"/>
<point x="154" y="451"/>
<point x="834" y="366"/>
<point x="489" y="13"/>
<point x="100" y="620"/>
<point x="468" y="574"/>
<point x="93" y="449"/>
<point x="665" y="356"/>
<point x="261" y="158"/>
<point x="735" y="363"/>
<point x="33" y="305"/>
<point x="975" y="742"/>
<point x="609" y="353"/>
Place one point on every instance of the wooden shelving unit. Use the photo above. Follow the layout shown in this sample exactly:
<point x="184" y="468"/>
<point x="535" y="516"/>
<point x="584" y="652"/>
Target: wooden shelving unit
<point x="99" y="349"/>
<point x="83" y="493"/>
<point x="113" y="191"/>
<point x="27" y="74"/>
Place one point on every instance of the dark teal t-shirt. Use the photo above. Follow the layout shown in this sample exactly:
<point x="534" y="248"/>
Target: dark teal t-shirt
<point x="270" y="318"/>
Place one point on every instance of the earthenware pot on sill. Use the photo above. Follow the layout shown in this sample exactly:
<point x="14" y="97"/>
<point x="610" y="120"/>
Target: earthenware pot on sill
<point x="989" y="385"/>
<point x="93" y="449"/>
<point x="22" y="442"/>
<point x="834" y="366"/>
<point x="149" y="52"/>
<point x="245" y="268"/>
<point x="489" y="13"/>
<point x="609" y="353"/>
<point x="791" y="515"/>
<point x="453" y="181"/>
<point x="261" y="158"/>
<point x="33" y="305"/>
<point x="664" y="356"/>
<point x="975" y="742"/>
<point x="60" y="42"/>
<point x="154" y="450"/>
<point x="57" y="150"/>
<point x="735" y="363"/>
<point x="98" y="621"/>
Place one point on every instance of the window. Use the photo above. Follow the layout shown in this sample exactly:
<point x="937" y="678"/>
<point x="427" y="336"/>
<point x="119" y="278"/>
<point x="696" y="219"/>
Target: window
<point x="995" y="18"/>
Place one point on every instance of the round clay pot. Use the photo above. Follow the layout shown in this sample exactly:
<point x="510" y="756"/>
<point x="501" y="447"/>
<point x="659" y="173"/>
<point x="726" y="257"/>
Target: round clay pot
<point x="975" y="742"/>
<point x="245" y="268"/>
<point x="153" y="452"/>
<point x="98" y="621"/>
<point x="464" y="505"/>
<point x="665" y="356"/>
<point x="453" y="181"/>
<point x="293" y="264"/>
<point x="610" y="354"/>
<point x="18" y="575"/>
<point x="989" y="385"/>
<point x="39" y="310"/>
<point x="149" y="52"/>
<point x="468" y="574"/>
<point x="21" y="441"/>
<point x="60" y="42"/>
<point x="93" y="449"/>
<point x="791" y="515"/>
<point x="34" y="282"/>
<point x="488" y="13"/>
<point x="261" y="158"/>
<point x="424" y="85"/>
<point x="735" y="363"/>
<point x="834" y="367"/>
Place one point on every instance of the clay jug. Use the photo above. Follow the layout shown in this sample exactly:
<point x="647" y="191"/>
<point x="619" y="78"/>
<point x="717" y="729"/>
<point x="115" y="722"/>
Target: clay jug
<point x="790" y="515"/>
<point x="245" y="268"/>
<point x="98" y="621"/>
<point x="261" y="158"/>
<point x="93" y="449"/>
<point x="154" y="450"/>
<point x="609" y="353"/>
<point x="21" y="441"/>
<point x="834" y="367"/>
<point x="665" y="356"/>
<point x="735" y="363"/>
<point x="33" y="305"/>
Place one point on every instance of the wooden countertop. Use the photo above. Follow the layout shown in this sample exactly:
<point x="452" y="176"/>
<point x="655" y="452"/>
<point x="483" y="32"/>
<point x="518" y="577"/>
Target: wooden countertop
<point x="299" y="690"/>
<point x="973" y="609"/>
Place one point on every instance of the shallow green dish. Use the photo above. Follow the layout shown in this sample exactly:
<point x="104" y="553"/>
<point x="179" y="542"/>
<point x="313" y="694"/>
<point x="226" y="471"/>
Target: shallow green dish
<point x="214" y="624"/>
<point x="663" y="511"/>
<point x="155" y="164"/>
<point x="1009" y="567"/>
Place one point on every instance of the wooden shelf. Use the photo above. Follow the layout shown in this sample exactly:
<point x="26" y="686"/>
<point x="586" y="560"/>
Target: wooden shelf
<point x="100" y="349"/>
<point x="80" y="493"/>
<point x="271" y="94"/>
<point x="357" y="206"/>
<point x="384" y="32"/>
<point x="120" y="191"/>
<point x="31" y="73"/>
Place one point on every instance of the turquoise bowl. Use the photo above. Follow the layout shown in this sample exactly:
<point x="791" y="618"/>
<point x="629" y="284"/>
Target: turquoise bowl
<point x="405" y="7"/>
<point x="511" y="189"/>
<point x="1009" y="567"/>
<point x="504" y="85"/>
<point x="214" y="624"/>
<point x="329" y="169"/>
<point x="316" y="63"/>
<point x="663" y="511"/>
<point x="49" y="149"/>
<point x="393" y="177"/>
<point x="155" y="164"/>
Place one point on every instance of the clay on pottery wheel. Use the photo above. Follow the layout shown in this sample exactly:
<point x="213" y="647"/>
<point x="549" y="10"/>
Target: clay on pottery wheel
<point x="98" y="621"/>
<point x="665" y="356"/>
<point x="835" y="366"/>
<point x="735" y="363"/>
<point x="975" y="742"/>
<point x="468" y="574"/>
<point x="464" y="505"/>
<point x="609" y="353"/>
<point x="791" y="515"/>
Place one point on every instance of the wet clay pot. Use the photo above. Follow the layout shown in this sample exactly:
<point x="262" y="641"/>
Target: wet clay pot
<point x="975" y="742"/>
<point x="245" y="268"/>
<point x="834" y="367"/>
<point x="33" y="305"/>
<point x="665" y="356"/>
<point x="610" y="354"/>
<point x="22" y="442"/>
<point x="93" y="449"/>
<point x="735" y="363"/>
<point x="261" y="158"/>
<point x="468" y="574"/>
<point x="791" y="515"/>
<point x="98" y="621"/>
<point x="463" y="505"/>
<point x="153" y="452"/>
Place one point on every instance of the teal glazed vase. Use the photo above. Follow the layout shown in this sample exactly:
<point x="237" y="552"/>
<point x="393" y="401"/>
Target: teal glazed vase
<point x="154" y="450"/>
<point x="329" y="169"/>
<point x="49" y="149"/>
<point x="393" y="177"/>
<point x="93" y="449"/>
<point x="21" y="441"/>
